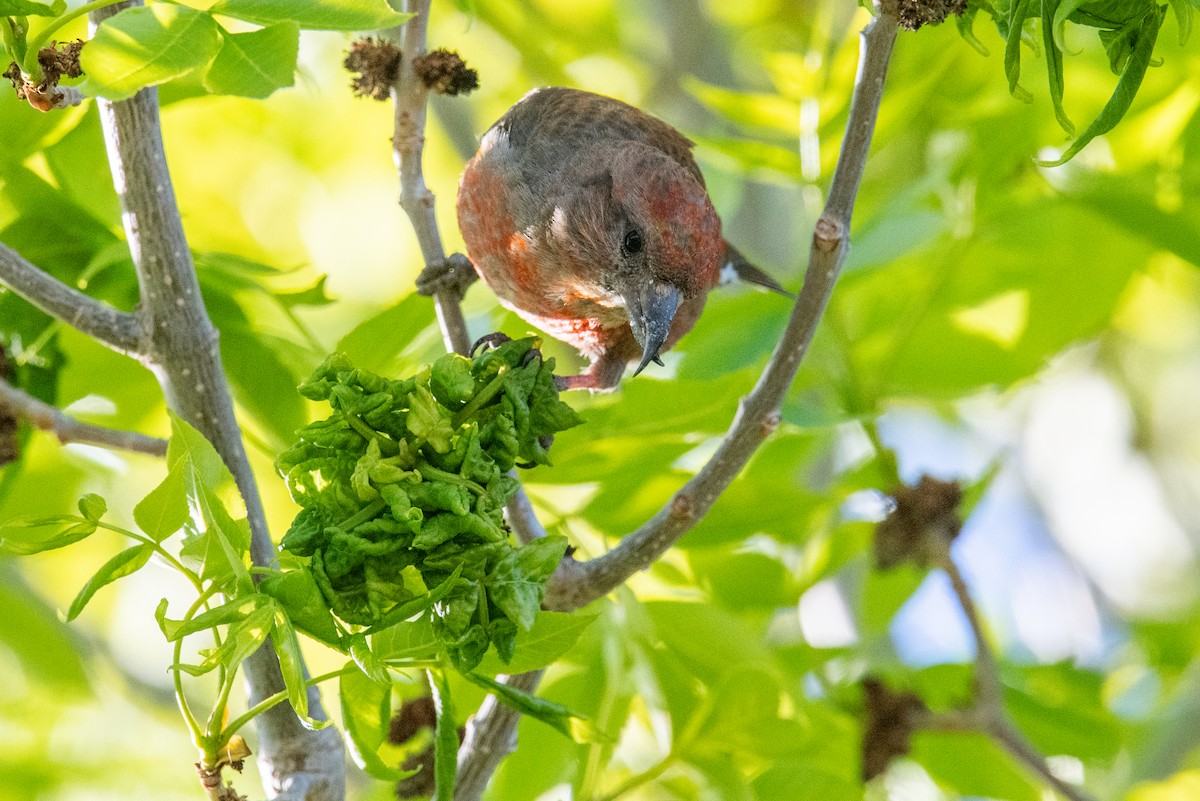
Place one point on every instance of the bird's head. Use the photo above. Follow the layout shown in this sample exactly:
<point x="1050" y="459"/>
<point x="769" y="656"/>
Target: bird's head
<point x="640" y="233"/>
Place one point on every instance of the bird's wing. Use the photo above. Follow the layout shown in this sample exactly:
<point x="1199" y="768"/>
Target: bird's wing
<point x="550" y="125"/>
<point x="739" y="269"/>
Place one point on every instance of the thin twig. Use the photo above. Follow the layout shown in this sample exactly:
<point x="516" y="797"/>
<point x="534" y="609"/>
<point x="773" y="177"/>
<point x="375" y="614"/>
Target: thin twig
<point x="48" y="418"/>
<point x="758" y="414"/>
<point x="522" y="519"/>
<point x="409" y="95"/>
<point x="988" y="713"/>
<point x="1015" y="743"/>
<point x="117" y="329"/>
<point x="989" y="691"/>
<point x="182" y="350"/>
<point x="491" y="732"/>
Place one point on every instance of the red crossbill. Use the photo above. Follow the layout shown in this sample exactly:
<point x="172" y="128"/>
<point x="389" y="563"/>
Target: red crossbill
<point x="590" y="220"/>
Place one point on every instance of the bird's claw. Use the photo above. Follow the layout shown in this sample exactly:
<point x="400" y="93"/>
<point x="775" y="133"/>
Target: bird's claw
<point x="454" y="274"/>
<point x="492" y="340"/>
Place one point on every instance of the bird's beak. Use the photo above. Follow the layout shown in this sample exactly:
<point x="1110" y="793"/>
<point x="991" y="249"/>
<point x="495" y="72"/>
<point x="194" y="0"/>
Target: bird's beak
<point x="651" y="306"/>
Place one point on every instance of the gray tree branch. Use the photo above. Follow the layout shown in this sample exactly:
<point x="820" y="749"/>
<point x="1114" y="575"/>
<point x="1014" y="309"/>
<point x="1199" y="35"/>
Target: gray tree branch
<point x="579" y="583"/>
<point x="181" y="347"/>
<point x="576" y="584"/>
<point x="117" y="329"/>
<point x="68" y="429"/>
<point x="409" y="95"/>
<point x="491" y="736"/>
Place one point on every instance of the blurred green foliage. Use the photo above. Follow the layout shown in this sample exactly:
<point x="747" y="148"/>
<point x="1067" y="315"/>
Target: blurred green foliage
<point x="977" y="278"/>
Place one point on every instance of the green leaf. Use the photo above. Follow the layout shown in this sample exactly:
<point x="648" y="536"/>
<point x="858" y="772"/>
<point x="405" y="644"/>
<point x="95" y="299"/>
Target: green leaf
<point x="242" y="639"/>
<point x="741" y="580"/>
<point x="203" y="469"/>
<point x="788" y="780"/>
<point x="1062" y="710"/>
<point x="966" y="29"/>
<point x="366" y="713"/>
<point x="518" y="582"/>
<point x="366" y="659"/>
<point x="445" y="742"/>
<point x="774" y="479"/>
<point x="93" y="507"/>
<point x="21" y="8"/>
<point x="291" y="665"/>
<point x="128" y="561"/>
<point x="147" y="45"/>
<point x="1054" y="65"/>
<point x="297" y="593"/>
<point x="770" y="112"/>
<point x="706" y="640"/>
<point x="552" y="635"/>
<point x="751" y="155"/>
<point x="1183" y="19"/>
<point x="548" y="712"/>
<point x="321" y="15"/>
<point x="376" y="342"/>
<point x="256" y="63"/>
<point x="80" y="529"/>
<point x="315" y="295"/>
<point x="545" y="758"/>
<point x="219" y="550"/>
<point x="1136" y="210"/>
<point x="972" y="765"/>
<point x="404" y="611"/>
<point x="414" y="640"/>
<point x="884" y="592"/>
<point x="226" y="614"/>
<point x="743" y="716"/>
<point x="451" y="380"/>
<point x="1012" y="49"/>
<point x="429" y="420"/>
<point x="48" y="651"/>
<point x="261" y="383"/>
<point x="1127" y="87"/>
<point x="712" y="356"/>
<point x="75" y="163"/>
<point x="164" y="510"/>
<point x="987" y="312"/>
<point x="22" y="132"/>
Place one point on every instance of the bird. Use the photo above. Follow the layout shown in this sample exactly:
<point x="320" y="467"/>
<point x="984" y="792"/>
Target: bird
<point x="590" y="219"/>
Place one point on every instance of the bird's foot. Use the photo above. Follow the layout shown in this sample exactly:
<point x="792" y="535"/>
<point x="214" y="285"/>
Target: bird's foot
<point x="603" y="375"/>
<point x="603" y="380"/>
<point x="492" y="340"/>
<point x="454" y="274"/>
<point x="568" y="382"/>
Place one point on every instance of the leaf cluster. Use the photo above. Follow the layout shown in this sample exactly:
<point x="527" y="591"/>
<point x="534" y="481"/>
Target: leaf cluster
<point x="198" y="497"/>
<point x="403" y="489"/>
<point x="149" y="45"/>
<point x="1128" y="30"/>
<point x="461" y="425"/>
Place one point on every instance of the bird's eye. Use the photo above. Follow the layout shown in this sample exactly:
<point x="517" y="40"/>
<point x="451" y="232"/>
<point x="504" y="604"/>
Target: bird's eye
<point x="632" y="243"/>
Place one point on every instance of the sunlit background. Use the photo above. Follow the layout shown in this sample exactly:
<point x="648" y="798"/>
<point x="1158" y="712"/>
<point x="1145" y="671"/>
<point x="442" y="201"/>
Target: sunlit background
<point x="1034" y="329"/>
